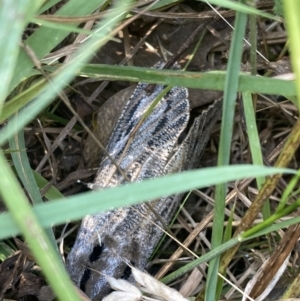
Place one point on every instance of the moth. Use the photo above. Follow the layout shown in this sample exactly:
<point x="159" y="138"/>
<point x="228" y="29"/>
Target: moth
<point x="162" y="144"/>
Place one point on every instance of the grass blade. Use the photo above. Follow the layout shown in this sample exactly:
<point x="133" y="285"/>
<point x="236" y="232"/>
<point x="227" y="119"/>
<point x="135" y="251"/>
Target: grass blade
<point x="58" y="211"/>
<point x="13" y="18"/>
<point x="230" y="92"/>
<point x="29" y="225"/>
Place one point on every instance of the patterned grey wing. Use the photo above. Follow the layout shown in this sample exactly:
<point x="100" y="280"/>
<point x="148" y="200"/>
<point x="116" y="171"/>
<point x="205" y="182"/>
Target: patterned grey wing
<point x="157" y="138"/>
<point x="189" y="152"/>
<point x="136" y="106"/>
<point x="200" y="132"/>
<point x="103" y="238"/>
<point x="152" y="144"/>
<point x="186" y="157"/>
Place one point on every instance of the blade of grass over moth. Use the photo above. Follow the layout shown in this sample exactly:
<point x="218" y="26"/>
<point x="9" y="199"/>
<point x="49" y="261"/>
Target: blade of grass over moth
<point x="11" y="229"/>
<point x="213" y="289"/>
<point x="171" y="223"/>
<point x="213" y="80"/>
<point x="208" y="80"/>
<point x="58" y="211"/>
<point x="36" y="238"/>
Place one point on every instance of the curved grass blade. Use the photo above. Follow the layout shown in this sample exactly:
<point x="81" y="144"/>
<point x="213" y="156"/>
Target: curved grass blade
<point x="29" y="225"/>
<point x="24" y="171"/>
<point x="58" y="211"/>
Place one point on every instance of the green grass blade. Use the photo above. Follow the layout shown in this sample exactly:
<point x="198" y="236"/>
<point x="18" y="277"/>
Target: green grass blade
<point x="209" y="80"/>
<point x="48" y="4"/>
<point x="243" y="8"/>
<point x="274" y="228"/>
<point x="58" y="211"/>
<point x="292" y="11"/>
<point x="247" y="235"/>
<point x="204" y="258"/>
<point x="66" y="72"/>
<point x="5" y="251"/>
<point x="231" y="87"/>
<point x="52" y="193"/>
<point x="29" y="225"/>
<point x="254" y="143"/>
<point x="213" y="80"/>
<point x="44" y="39"/>
<point x="14" y="15"/>
<point x="57" y="26"/>
<point x="22" y="166"/>
<point x="290" y="190"/>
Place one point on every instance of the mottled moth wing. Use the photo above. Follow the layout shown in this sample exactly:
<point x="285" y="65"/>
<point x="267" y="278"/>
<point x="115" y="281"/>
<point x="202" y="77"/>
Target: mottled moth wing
<point x="200" y="133"/>
<point x="104" y="240"/>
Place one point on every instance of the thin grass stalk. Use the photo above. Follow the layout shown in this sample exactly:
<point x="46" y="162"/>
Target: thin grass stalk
<point x="57" y="212"/>
<point x="213" y="285"/>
